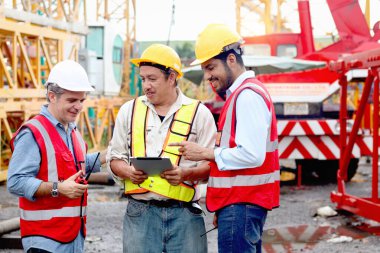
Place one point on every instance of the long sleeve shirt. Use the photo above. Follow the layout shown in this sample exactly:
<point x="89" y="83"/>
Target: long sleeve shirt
<point x="23" y="169"/>
<point x="253" y="120"/>
<point x="203" y="132"/>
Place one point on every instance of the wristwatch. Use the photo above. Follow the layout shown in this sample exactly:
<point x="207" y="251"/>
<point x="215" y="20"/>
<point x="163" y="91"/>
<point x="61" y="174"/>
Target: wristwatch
<point x="54" y="191"/>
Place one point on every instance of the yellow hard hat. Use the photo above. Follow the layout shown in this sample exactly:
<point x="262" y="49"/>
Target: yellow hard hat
<point x="213" y="40"/>
<point x="162" y="55"/>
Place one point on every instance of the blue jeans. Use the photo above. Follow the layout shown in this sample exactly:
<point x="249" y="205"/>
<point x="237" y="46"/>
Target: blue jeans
<point x="240" y="227"/>
<point x="148" y="228"/>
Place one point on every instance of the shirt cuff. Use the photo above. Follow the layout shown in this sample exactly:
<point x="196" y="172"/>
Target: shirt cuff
<point x="31" y="186"/>
<point x="117" y="179"/>
<point x="218" y="158"/>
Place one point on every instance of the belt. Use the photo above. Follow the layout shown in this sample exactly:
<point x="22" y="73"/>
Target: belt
<point x="163" y="203"/>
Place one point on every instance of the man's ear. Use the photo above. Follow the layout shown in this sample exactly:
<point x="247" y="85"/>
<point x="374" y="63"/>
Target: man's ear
<point x="231" y="58"/>
<point x="172" y="77"/>
<point x="52" y="96"/>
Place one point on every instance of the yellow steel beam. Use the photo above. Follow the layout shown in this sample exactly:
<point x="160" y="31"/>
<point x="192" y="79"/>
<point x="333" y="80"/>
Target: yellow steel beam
<point x="46" y="52"/>
<point x="6" y="72"/>
<point x="37" y="61"/>
<point x="128" y="44"/>
<point x="368" y="12"/>
<point x="262" y="8"/>
<point x="14" y="59"/>
<point x="27" y="61"/>
<point x="10" y="26"/>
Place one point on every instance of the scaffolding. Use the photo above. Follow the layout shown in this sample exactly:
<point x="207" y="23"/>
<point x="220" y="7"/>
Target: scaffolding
<point x="34" y="36"/>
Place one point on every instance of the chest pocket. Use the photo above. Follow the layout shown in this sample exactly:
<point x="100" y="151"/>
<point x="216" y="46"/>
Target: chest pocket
<point x="155" y="137"/>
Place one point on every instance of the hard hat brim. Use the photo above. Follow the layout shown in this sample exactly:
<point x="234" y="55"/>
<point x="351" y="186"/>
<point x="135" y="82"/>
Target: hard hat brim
<point x="196" y="62"/>
<point x="83" y="87"/>
<point x="137" y="61"/>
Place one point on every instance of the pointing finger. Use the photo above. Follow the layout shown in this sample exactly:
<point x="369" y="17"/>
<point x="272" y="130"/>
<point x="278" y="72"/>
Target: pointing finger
<point x="175" y="144"/>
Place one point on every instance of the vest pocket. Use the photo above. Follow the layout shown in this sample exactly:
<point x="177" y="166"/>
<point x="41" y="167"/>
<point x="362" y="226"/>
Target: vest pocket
<point x="66" y="156"/>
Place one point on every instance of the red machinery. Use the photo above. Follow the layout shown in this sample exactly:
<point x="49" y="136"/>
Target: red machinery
<point x="367" y="207"/>
<point x="308" y="123"/>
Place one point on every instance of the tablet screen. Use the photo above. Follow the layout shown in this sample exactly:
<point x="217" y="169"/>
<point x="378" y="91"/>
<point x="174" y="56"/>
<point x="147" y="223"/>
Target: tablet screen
<point x="151" y="165"/>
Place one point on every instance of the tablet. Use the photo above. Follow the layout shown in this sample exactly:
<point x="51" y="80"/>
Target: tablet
<point x="151" y="165"/>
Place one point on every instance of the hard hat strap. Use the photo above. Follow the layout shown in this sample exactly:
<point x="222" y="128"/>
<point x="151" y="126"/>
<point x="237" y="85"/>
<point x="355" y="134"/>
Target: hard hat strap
<point x="234" y="46"/>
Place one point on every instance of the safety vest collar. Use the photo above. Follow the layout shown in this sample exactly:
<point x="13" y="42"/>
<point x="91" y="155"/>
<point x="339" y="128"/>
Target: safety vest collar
<point x="236" y="84"/>
<point x="181" y="100"/>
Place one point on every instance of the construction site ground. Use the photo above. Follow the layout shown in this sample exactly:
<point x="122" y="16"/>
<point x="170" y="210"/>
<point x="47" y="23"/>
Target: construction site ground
<point x="294" y="227"/>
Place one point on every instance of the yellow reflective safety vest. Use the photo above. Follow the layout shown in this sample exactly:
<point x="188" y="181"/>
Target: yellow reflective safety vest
<point x="179" y="130"/>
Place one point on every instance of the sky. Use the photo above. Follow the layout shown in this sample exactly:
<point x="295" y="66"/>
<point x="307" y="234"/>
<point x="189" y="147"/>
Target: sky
<point x="154" y="17"/>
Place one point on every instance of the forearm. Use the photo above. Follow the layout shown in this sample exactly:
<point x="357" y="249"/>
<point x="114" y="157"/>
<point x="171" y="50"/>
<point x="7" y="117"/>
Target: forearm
<point x="199" y="173"/>
<point x="44" y="190"/>
<point x="119" y="168"/>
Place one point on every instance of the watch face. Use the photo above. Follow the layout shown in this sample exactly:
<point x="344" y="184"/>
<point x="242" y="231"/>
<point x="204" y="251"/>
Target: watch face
<point x="54" y="191"/>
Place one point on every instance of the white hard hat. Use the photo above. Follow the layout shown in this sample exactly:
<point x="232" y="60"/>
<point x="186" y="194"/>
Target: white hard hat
<point x="70" y="75"/>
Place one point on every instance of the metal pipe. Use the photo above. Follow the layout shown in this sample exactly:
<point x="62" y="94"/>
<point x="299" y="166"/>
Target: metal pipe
<point x="375" y="149"/>
<point x="10" y="225"/>
<point x="307" y="38"/>
<point x="343" y="130"/>
<point x="354" y="131"/>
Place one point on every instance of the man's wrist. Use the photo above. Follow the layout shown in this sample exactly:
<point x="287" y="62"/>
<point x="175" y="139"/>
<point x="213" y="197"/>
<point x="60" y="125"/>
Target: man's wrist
<point x="186" y="174"/>
<point x="210" y="154"/>
<point x="54" y="190"/>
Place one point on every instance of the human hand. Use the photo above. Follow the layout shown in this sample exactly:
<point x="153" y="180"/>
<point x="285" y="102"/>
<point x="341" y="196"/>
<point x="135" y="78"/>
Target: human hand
<point x="136" y="176"/>
<point x="215" y="221"/>
<point x="70" y="188"/>
<point x="192" y="151"/>
<point x="174" y="175"/>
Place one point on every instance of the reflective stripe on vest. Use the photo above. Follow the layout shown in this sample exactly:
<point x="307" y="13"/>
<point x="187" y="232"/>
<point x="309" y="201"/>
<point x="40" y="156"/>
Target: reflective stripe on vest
<point x="259" y="185"/>
<point x="52" y="162"/>
<point x="52" y="213"/>
<point x="179" y="130"/>
<point x="244" y="180"/>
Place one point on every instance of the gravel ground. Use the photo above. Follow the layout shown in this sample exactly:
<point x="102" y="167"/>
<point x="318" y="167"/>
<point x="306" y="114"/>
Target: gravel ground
<point x="294" y="227"/>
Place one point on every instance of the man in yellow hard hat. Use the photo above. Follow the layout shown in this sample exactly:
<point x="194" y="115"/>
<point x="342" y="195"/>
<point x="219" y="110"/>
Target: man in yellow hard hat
<point x="49" y="155"/>
<point x="162" y="214"/>
<point x="244" y="176"/>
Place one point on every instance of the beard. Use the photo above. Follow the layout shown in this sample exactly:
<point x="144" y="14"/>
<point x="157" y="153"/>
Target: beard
<point x="227" y="84"/>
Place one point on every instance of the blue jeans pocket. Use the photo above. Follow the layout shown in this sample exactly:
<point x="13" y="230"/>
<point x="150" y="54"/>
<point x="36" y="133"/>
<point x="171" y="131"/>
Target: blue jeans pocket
<point x="135" y="209"/>
<point x="255" y="219"/>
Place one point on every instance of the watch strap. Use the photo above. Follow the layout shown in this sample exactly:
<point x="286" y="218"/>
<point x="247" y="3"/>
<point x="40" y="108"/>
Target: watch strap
<point x="54" y="191"/>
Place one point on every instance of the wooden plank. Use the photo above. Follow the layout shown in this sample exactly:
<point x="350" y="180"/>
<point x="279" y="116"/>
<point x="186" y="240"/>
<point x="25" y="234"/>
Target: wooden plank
<point x="3" y="175"/>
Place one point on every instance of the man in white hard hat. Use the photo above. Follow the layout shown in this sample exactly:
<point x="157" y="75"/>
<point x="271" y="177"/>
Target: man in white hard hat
<point x="163" y="214"/>
<point x="49" y="156"/>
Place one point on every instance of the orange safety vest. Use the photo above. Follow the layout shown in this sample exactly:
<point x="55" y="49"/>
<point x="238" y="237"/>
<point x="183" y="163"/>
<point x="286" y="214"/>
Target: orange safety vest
<point x="259" y="185"/>
<point x="58" y="218"/>
<point x="179" y="130"/>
